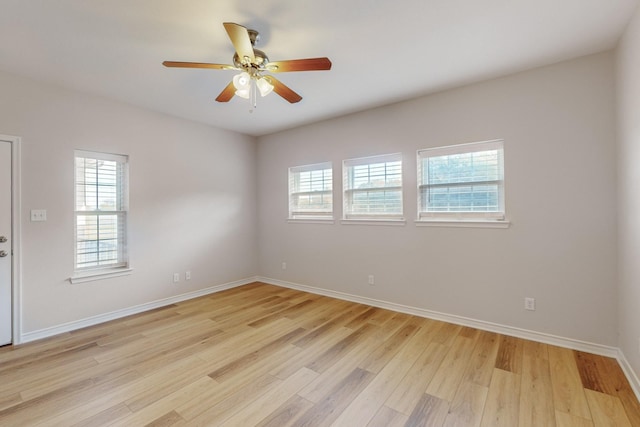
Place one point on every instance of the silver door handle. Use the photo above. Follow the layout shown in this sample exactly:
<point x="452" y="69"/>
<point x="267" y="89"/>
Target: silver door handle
<point x="3" y="254"/>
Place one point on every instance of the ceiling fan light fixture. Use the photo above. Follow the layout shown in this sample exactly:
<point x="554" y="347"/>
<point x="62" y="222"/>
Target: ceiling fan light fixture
<point x="241" y="81"/>
<point x="264" y="86"/>
<point x="243" y="93"/>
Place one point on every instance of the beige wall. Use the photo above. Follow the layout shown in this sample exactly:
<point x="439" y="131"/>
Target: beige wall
<point x="558" y="126"/>
<point x="628" y="114"/>
<point x="192" y="192"/>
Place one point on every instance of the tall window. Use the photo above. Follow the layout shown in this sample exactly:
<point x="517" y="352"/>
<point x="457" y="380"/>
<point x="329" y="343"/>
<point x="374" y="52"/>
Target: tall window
<point x="311" y="191"/>
<point x="462" y="181"/>
<point x="101" y="205"/>
<point x="373" y="187"/>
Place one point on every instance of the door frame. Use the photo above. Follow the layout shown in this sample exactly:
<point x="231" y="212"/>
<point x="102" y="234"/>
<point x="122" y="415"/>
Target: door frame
<point x="16" y="228"/>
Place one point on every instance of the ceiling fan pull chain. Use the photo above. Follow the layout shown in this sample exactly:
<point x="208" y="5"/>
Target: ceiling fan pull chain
<point x="252" y="94"/>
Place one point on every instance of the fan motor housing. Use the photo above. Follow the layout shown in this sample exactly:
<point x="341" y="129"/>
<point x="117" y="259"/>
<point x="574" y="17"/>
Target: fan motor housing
<point x="260" y="62"/>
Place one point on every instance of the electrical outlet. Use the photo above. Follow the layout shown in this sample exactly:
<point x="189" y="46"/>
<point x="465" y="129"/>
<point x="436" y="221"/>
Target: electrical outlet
<point x="176" y="277"/>
<point x="284" y="265"/>
<point x="187" y="275"/>
<point x="372" y="280"/>
<point x="530" y="304"/>
<point x="38" y="215"/>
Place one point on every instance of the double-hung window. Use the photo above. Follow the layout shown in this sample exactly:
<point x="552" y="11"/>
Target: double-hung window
<point x="311" y="191"/>
<point x="101" y="208"/>
<point x="462" y="182"/>
<point x="373" y="187"/>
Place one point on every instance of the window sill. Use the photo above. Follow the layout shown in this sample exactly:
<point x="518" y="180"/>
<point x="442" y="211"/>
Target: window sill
<point x="99" y="275"/>
<point x="463" y="223"/>
<point x="310" y="221"/>
<point x="400" y="221"/>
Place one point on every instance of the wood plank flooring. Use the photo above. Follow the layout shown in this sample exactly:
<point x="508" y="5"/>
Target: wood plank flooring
<point x="260" y="355"/>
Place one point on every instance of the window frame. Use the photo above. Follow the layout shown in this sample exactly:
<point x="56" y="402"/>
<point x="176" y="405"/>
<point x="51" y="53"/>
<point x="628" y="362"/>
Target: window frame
<point x="348" y="216"/>
<point x="295" y="214"/>
<point x="464" y="218"/>
<point x="122" y="265"/>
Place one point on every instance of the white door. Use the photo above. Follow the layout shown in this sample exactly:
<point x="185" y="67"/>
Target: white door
<point x="5" y="242"/>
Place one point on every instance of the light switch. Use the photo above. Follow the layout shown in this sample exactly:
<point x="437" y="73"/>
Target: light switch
<point x="38" y="215"/>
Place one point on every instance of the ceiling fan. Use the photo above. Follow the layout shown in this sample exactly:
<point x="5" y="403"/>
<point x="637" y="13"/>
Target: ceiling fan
<point x="253" y="64"/>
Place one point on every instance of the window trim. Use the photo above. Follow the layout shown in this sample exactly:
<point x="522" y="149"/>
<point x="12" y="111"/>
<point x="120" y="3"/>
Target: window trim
<point x="483" y="219"/>
<point x="123" y="267"/>
<point x="84" y="276"/>
<point x="463" y="223"/>
<point x="371" y="218"/>
<point x="374" y="221"/>
<point x="301" y="216"/>
<point x="327" y="221"/>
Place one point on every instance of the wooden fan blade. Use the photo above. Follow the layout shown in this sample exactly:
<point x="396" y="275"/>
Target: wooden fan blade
<point x="310" y="64"/>
<point x="198" y="65"/>
<point x="227" y="93"/>
<point x="241" y="42"/>
<point x="283" y="90"/>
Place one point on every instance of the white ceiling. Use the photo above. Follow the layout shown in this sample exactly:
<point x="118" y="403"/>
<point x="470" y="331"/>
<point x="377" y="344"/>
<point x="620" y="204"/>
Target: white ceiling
<point x="382" y="51"/>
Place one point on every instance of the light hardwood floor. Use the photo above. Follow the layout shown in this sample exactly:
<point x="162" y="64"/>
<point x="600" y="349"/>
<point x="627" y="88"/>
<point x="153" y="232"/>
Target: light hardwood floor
<point x="268" y="356"/>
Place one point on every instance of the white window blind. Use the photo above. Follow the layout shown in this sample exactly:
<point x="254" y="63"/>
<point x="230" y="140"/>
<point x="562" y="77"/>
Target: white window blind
<point x="463" y="181"/>
<point x="311" y="191"/>
<point x="373" y="187"/>
<point x="101" y="205"/>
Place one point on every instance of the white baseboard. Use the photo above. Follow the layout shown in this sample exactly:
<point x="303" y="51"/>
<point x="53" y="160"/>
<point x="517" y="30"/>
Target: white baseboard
<point x="94" y="320"/>
<point x="629" y="372"/>
<point x="573" y="344"/>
